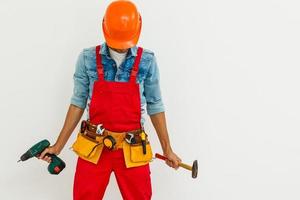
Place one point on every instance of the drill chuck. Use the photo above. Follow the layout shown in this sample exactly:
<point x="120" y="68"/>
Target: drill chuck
<point x="26" y="156"/>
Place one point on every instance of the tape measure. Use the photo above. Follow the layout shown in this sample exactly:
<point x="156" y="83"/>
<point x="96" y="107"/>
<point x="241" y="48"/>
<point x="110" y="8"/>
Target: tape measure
<point x="109" y="142"/>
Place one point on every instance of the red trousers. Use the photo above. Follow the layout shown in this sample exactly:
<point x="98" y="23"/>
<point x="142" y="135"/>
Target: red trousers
<point x="90" y="180"/>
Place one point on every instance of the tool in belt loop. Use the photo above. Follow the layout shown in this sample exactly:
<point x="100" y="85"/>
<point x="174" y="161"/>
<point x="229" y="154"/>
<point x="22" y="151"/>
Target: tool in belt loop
<point x="143" y="138"/>
<point x="130" y="139"/>
<point x="83" y="126"/>
<point x="109" y="142"/>
<point x="100" y="129"/>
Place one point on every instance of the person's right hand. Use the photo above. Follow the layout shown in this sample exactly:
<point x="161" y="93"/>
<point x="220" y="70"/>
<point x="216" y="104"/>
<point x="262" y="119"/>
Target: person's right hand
<point x="172" y="159"/>
<point x="51" y="150"/>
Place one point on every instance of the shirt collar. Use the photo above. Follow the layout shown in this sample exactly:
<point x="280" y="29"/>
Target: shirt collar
<point x="131" y="52"/>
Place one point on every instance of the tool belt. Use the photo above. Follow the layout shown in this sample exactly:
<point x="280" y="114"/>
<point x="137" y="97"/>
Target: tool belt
<point x="93" y="138"/>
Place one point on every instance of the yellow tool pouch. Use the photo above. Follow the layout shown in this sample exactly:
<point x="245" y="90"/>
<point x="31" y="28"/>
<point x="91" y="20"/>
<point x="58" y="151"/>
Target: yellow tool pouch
<point x="133" y="154"/>
<point x="87" y="148"/>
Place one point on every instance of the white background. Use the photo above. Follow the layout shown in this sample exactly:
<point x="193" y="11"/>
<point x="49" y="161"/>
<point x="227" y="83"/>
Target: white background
<point x="230" y="83"/>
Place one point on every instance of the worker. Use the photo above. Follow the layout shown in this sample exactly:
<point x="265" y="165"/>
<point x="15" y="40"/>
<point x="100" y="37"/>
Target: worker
<point x="116" y="82"/>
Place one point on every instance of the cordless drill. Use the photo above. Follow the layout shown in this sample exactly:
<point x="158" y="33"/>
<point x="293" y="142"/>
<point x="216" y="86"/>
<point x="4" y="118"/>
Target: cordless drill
<point x="56" y="165"/>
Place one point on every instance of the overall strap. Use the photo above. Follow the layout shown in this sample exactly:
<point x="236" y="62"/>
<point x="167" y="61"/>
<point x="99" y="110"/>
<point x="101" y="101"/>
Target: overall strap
<point x="136" y="64"/>
<point x="99" y="63"/>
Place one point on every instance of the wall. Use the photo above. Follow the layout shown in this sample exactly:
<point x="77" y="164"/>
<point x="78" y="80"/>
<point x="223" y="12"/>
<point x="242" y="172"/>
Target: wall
<point x="230" y="82"/>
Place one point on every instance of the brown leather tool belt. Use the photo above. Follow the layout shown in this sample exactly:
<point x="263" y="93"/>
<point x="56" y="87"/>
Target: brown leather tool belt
<point x="92" y="131"/>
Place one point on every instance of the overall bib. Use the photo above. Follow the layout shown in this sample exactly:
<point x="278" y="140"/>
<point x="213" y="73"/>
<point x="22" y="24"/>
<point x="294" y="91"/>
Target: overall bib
<point x="117" y="106"/>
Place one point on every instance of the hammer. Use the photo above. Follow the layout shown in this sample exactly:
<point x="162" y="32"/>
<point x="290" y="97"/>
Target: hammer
<point x="193" y="168"/>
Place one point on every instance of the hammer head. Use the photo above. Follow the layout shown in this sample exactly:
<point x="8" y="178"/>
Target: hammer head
<point x="195" y="169"/>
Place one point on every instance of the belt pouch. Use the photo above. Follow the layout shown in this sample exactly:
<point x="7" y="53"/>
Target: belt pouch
<point x="87" y="148"/>
<point x="133" y="154"/>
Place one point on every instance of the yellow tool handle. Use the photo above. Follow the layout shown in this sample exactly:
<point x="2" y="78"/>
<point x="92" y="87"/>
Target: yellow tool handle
<point x="143" y="135"/>
<point x="185" y="166"/>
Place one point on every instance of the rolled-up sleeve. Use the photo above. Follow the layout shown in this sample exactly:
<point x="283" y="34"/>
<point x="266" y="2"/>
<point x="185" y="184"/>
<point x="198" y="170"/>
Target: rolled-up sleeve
<point x="152" y="90"/>
<point x="81" y="83"/>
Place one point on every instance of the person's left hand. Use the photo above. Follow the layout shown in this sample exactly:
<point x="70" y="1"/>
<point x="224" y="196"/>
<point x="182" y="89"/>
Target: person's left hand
<point x="172" y="159"/>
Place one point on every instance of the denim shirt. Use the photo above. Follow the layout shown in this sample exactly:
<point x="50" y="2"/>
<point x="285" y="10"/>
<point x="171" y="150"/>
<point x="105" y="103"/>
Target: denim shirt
<point x="147" y="77"/>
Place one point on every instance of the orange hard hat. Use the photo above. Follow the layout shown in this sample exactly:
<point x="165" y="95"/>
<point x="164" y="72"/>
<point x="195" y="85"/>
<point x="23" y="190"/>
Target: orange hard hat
<point x="121" y="24"/>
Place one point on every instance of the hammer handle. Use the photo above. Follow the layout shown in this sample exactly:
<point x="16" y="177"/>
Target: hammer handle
<point x="157" y="155"/>
<point x="185" y="166"/>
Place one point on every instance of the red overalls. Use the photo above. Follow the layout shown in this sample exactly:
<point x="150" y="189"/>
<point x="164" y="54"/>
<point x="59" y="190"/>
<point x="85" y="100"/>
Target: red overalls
<point x="117" y="106"/>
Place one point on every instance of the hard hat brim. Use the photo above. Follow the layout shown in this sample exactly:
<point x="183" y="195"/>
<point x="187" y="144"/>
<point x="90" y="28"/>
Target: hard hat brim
<point x="116" y="44"/>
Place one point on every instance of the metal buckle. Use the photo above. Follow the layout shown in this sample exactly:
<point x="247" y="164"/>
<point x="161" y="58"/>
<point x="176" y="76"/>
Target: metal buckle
<point x="100" y="129"/>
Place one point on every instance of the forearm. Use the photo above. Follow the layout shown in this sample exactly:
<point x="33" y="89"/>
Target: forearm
<point x="160" y="125"/>
<point x="73" y="116"/>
